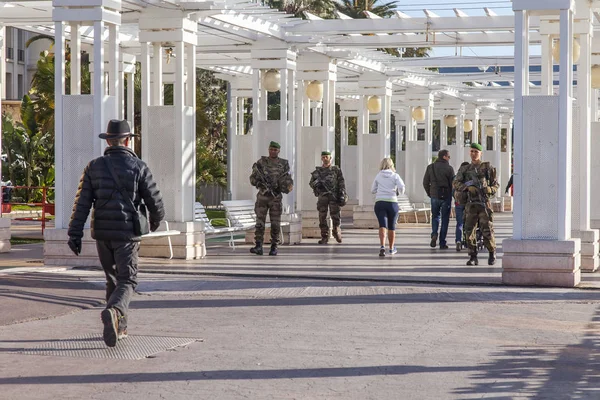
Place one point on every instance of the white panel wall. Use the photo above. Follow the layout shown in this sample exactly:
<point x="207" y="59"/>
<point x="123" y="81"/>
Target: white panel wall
<point x="242" y="168"/>
<point x="311" y="145"/>
<point x="415" y="170"/>
<point x="350" y="170"/>
<point x="372" y="146"/>
<point x="540" y="170"/>
<point x="595" y="176"/>
<point x="78" y="142"/>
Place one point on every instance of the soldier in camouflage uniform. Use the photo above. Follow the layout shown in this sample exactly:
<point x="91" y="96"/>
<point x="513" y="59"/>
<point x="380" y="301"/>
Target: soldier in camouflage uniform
<point x="271" y="175"/>
<point x="327" y="183"/>
<point x="478" y="182"/>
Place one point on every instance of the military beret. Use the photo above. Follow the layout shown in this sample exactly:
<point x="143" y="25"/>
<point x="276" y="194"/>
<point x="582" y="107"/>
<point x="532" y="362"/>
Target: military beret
<point x="476" y="146"/>
<point x="274" y="145"/>
<point x="325" y="153"/>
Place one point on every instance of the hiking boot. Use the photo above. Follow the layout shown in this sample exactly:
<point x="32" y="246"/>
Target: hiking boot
<point x="110" y="319"/>
<point x="337" y="235"/>
<point x="473" y="260"/>
<point x="273" y="251"/>
<point x="258" y="249"/>
<point x="382" y="251"/>
<point x="443" y="247"/>
<point x="492" y="258"/>
<point x="458" y="246"/>
<point x="324" y="240"/>
<point x="433" y="240"/>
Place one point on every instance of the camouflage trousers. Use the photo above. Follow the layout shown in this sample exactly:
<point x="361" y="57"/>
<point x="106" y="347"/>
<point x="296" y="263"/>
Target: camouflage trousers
<point x="267" y="204"/>
<point x="478" y="214"/>
<point x="325" y="202"/>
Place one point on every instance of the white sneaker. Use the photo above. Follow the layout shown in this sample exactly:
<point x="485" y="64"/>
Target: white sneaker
<point x="382" y="252"/>
<point x="393" y="251"/>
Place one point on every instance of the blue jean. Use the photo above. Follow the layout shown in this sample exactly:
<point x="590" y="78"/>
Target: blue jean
<point x="440" y="207"/>
<point x="460" y="221"/>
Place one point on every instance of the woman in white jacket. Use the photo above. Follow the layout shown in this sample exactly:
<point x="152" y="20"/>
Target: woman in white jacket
<point x="385" y="186"/>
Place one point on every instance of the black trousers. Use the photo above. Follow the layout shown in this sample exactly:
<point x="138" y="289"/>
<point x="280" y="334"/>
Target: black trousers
<point x="119" y="260"/>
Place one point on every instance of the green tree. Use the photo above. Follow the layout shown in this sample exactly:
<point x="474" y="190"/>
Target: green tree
<point x="29" y="149"/>
<point x="321" y="8"/>
<point x="356" y="8"/>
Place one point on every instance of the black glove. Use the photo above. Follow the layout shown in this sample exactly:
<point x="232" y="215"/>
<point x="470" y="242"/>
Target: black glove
<point x="154" y="225"/>
<point x="75" y="244"/>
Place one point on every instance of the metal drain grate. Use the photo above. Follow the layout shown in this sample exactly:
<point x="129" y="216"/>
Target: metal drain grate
<point x="92" y="346"/>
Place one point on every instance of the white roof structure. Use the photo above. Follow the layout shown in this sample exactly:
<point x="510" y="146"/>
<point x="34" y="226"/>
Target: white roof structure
<point x="229" y="29"/>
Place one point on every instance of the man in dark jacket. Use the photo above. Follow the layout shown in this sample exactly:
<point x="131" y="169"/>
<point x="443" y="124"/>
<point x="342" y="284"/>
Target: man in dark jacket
<point x="437" y="183"/>
<point x="113" y="221"/>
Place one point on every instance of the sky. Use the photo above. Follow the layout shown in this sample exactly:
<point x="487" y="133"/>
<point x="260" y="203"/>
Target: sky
<point x="444" y="8"/>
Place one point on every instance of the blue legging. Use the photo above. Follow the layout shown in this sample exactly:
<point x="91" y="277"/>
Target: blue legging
<point x="387" y="213"/>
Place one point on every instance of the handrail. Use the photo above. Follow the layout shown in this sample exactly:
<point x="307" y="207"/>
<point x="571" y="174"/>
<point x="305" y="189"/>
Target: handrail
<point x="43" y="203"/>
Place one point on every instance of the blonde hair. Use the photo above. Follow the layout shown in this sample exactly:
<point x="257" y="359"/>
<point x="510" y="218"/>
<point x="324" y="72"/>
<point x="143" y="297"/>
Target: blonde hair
<point x="387" y="163"/>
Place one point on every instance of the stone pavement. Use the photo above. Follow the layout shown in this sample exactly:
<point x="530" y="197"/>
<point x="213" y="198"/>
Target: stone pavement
<point x="305" y="325"/>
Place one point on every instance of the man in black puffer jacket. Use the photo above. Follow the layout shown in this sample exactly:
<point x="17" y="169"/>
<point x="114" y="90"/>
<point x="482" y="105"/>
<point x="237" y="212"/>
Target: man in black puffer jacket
<point x="113" y="221"/>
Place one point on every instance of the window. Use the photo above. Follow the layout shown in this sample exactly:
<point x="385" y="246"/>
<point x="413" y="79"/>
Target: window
<point x="9" y="85"/>
<point x="10" y="51"/>
<point x="20" y="86"/>
<point x="20" y="45"/>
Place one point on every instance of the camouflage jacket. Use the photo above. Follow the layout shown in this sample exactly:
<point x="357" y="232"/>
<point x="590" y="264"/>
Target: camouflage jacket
<point x="482" y="176"/>
<point x="272" y="176"/>
<point x="328" y="180"/>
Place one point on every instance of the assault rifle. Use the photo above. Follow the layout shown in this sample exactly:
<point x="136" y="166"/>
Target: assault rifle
<point x="265" y="181"/>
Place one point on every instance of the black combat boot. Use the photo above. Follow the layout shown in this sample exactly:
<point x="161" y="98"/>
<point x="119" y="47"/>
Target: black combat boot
<point x="473" y="260"/>
<point x="492" y="258"/>
<point x="324" y="238"/>
<point x="273" y="251"/>
<point x="258" y="250"/>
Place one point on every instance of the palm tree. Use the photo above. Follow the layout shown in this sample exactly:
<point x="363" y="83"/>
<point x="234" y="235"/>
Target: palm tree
<point x="321" y="8"/>
<point x="356" y="8"/>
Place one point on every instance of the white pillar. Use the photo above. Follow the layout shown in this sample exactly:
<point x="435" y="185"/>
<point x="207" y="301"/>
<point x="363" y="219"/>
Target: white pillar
<point x="542" y="251"/>
<point x="581" y="174"/>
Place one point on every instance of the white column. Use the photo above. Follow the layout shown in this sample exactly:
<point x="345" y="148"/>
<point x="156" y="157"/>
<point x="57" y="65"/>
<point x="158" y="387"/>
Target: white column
<point x="146" y="96"/>
<point x="547" y="71"/>
<point x="157" y="78"/>
<point x="59" y="91"/>
<point x="443" y="133"/>
<point x="75" y="59"/>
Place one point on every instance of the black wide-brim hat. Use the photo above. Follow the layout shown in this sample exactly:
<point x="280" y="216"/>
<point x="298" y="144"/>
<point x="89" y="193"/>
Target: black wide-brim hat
<point x="117" y="129"/>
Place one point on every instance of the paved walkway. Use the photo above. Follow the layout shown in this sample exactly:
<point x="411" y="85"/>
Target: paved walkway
<point x="256" y="333"/>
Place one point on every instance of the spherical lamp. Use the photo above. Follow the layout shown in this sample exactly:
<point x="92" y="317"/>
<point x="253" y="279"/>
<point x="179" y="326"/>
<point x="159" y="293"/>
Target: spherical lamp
<point x="556" y="51"/>
<point x="272" y="80"/>
<point x="418" y="114"/>
<point x="596" y="77"/>
<point x="314" y="91"/>
<point x="374" y="104"/>
<point x="468" y="125"/>
<point x="451" y="121"/>
<point x="490" y="130"/>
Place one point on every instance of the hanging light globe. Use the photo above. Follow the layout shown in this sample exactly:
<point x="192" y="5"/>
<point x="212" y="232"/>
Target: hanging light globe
<point x="451" y="121"/>
<point x="596" y="77"/>
<point x="272" y="80"/>
<point x="314" y="91"/>
<point x="374" y="104"/>
<point x="490" y="130"/>
<point x="418" y="114"/>
<point x="556" y="51"/>
<point x="468" y="125"/>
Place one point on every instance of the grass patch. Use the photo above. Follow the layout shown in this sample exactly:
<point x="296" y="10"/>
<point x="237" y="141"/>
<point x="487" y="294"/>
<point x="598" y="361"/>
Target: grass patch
<point x="20" y="240"/>
<point x="25" y="207"/>
<point x="217" y="216"/>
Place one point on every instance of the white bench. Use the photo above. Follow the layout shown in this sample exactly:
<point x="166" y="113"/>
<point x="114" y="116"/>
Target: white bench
<point x="215" y="231"/>
<point x="166" y="233"/>
<point x="406" y="207"/>
<point x="241" y="214"/>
